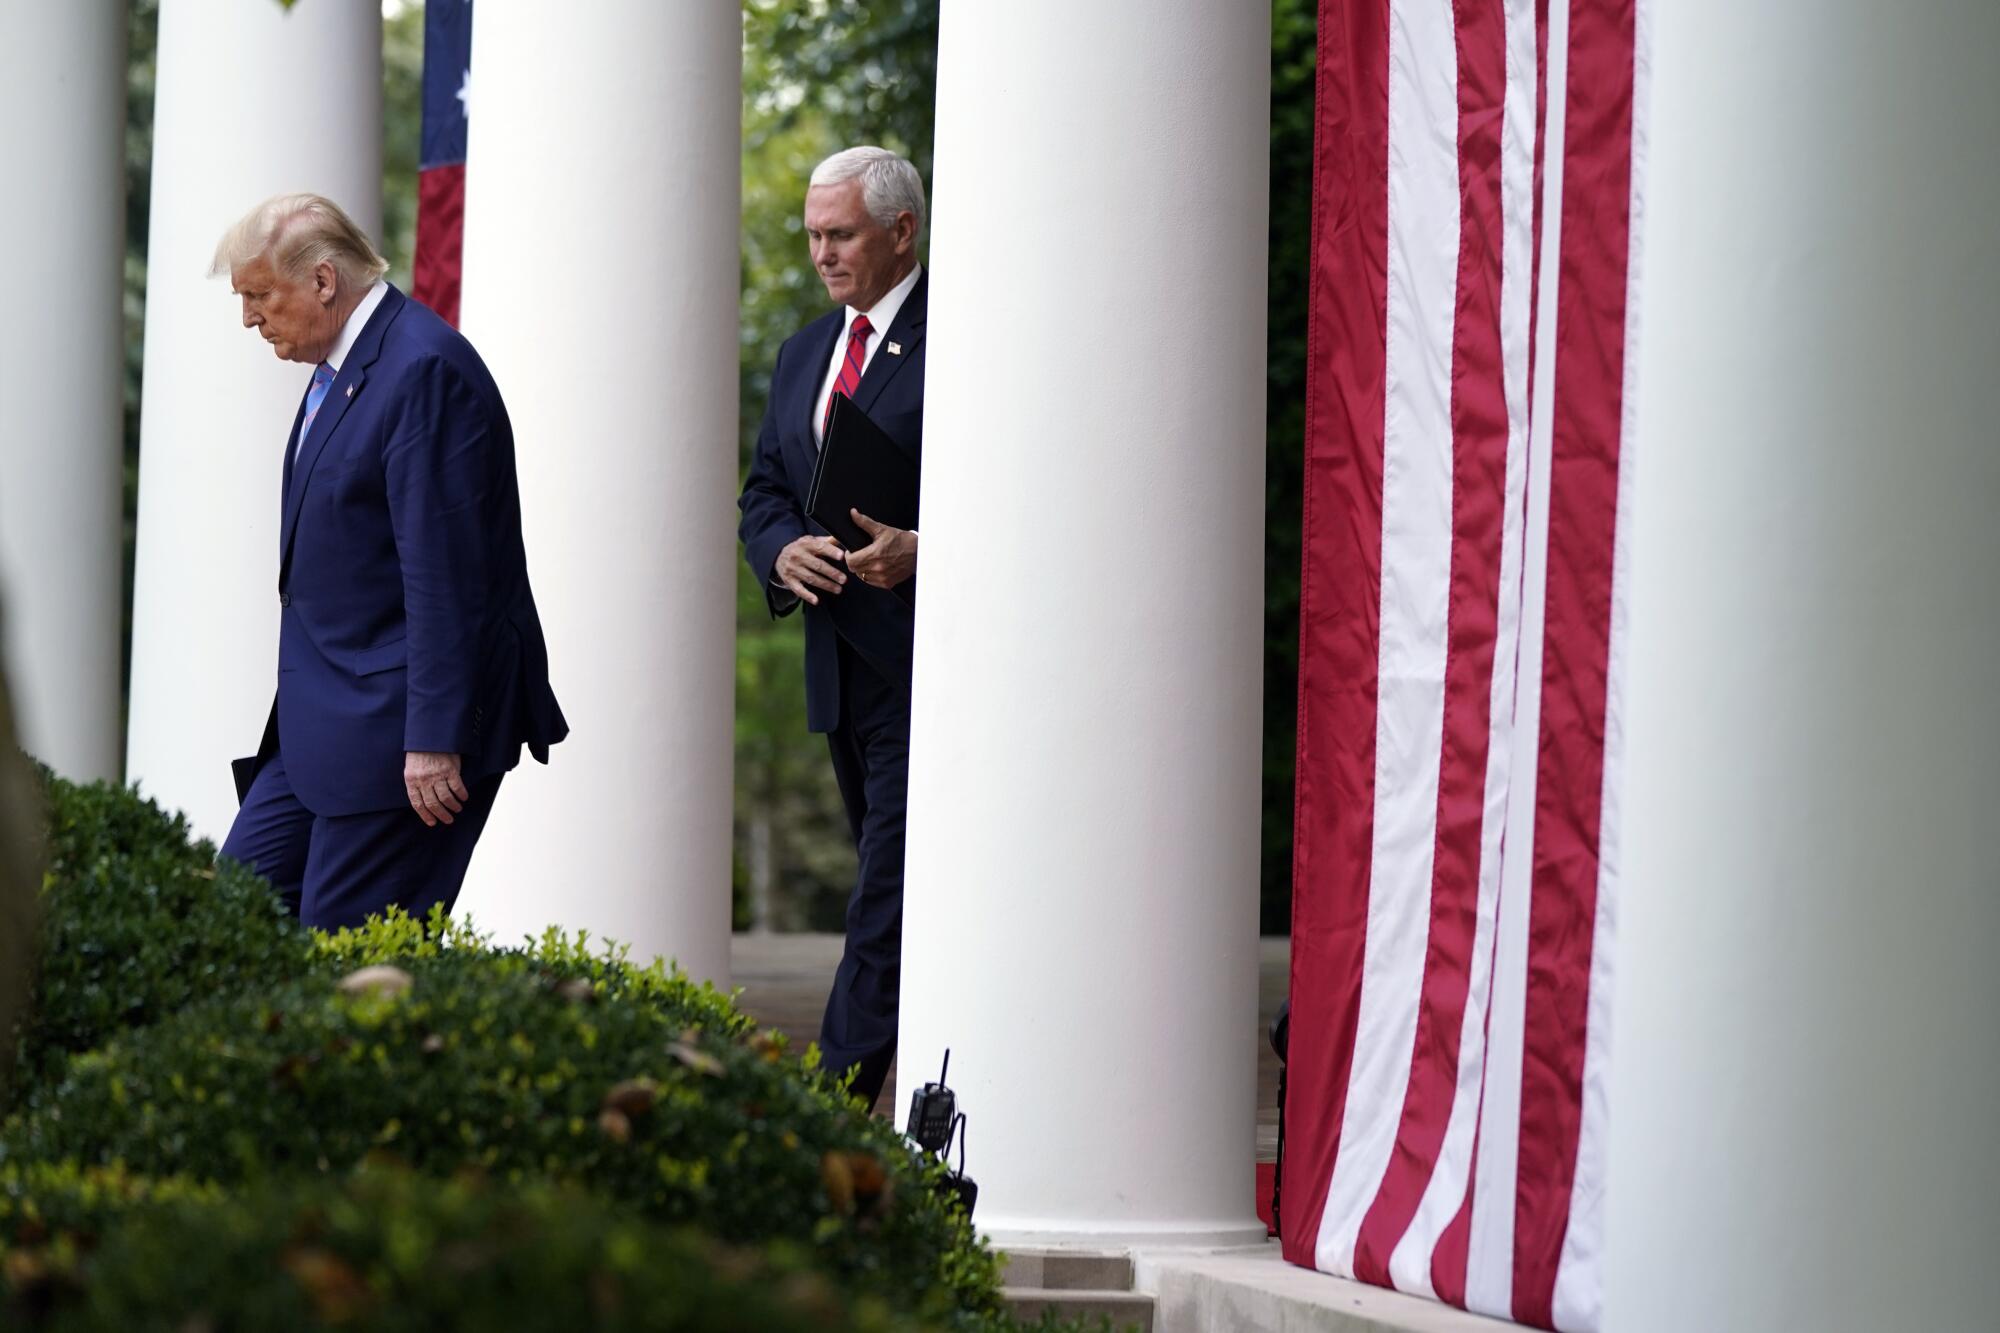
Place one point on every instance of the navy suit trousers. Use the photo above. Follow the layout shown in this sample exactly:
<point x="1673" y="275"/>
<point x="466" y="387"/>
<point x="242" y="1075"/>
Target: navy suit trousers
<point x="871" y="762"/>
<point x="334" y="870"/>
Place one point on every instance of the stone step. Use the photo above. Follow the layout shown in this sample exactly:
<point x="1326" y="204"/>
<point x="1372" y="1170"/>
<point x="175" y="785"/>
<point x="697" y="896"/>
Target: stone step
<point x="1127" y="1311"/>
<point x="1067" y="1270"/>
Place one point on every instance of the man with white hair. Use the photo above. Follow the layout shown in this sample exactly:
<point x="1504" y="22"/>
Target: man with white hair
<point x="864" y="211"/>
<point x="411" y="663"/>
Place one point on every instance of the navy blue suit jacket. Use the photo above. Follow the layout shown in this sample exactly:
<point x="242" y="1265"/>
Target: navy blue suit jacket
<point x="406" y="619"/>
<point x="876" y="624"/>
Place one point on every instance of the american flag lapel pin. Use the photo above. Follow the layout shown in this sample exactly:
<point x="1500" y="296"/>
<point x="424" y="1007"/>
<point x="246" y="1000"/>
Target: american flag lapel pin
<point x="350" y="391"/>
<point x="895" y="349"/>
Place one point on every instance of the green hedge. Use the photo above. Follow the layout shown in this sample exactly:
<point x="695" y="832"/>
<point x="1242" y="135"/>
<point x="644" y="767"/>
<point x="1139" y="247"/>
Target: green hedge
<point x="141" y="920"/>
<point x="497" y="1062"/>
<point x="389" y="1253"/>
<point x="570" y="961"/>
<point x="200" y="1069"/>
<point x="43" y="1203"/>
<point x="138" y="922"/>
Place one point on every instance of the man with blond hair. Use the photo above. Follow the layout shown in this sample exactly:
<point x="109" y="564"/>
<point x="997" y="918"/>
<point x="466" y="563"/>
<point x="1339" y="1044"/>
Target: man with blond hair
<point x="411" y="663"/>
<point x="864" y="211"/>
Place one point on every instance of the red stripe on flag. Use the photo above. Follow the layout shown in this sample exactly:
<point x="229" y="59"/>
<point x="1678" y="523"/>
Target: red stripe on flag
<point x="1448" y="1261"/>
<point x="1479" y="483"/>
<point x="1541" y="153"/>
<point x="1583" y="508"/>
<point x="434" y="279"/>
<point x="1454" y="1243"/>
<point x="1339" y="594"/>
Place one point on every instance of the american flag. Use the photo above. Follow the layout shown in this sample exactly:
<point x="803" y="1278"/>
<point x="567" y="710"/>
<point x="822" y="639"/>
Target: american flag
<point x="441" y="164"/>
<point x="1476" y="219"/>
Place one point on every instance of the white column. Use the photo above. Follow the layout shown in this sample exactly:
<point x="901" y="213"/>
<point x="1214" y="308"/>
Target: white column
<point x="252" y="100"/>
<point x="1806" y="1061"/>
<point x="62" y="99"/>
<point x="1080" y="916"/>
<point x="601" y="287"/>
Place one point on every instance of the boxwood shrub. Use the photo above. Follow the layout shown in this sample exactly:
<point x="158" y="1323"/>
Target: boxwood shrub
<point x="48" y="1203"/>
<point x="196" y="1077"/>
<point x="603" y="969"/>
<point x="138" y="922"/>
<point x="465" y="1059"/>
<point x="389" y="1252"/>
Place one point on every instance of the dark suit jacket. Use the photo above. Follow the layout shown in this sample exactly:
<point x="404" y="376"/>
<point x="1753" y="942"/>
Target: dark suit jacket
<point x="407" y="622"/>
<point x="876" y="624"/>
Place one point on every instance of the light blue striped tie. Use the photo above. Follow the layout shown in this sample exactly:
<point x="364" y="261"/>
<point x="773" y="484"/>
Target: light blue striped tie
<point x="322" y="381"/>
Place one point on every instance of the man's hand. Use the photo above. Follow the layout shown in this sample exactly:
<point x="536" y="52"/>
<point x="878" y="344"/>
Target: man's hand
<point x="888" y="559"/>
<point x="437" y="792"/>
<point x="811" y="563"/>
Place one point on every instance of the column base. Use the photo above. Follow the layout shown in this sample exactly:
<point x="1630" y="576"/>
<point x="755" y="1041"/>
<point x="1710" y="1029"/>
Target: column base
<point x="1253" y="1290"/>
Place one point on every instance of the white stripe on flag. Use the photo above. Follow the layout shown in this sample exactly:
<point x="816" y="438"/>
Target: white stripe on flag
<point x="1579" y="1293"/>
<point x="1410" y="1264"/>
<point x="1416" y="583"/>
<point x="1489" y="1277"/>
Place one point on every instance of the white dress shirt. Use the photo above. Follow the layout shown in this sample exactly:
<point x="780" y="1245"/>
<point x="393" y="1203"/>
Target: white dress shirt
<point x="350" y="333"/>
<point x="879" y="319"/>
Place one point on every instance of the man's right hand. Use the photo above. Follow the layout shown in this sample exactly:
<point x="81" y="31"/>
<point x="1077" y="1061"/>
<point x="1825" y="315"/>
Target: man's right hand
<point x="809" y="566"/>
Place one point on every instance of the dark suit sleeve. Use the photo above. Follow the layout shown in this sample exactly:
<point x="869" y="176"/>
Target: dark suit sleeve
<point x="773" y="517"/>
<point x="436" y="463"/>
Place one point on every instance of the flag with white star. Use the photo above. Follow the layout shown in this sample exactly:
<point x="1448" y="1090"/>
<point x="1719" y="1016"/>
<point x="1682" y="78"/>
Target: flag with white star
<point x="441" y="159"/>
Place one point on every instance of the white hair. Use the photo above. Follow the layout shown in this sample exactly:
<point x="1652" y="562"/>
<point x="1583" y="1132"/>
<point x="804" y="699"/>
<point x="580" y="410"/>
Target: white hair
<point x="299" y="232"/>
<point x="890" y="186"/>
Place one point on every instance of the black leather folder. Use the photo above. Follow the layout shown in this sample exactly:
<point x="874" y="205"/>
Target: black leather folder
<point x="860" y="467"/>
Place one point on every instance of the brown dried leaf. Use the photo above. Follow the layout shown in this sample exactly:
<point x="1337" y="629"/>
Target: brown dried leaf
<point x="23" y="1268"/>
<point x="838" y="1179"/>
<point x="337" y="1292"/>
<point x="616" y="1125"/>
<point x="695" y="1058"/>
<point x="380" y="979"/>
<point x="634" y="1097"/>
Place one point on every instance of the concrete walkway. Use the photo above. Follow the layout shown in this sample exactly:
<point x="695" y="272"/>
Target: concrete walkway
<point x="784" y="980"/>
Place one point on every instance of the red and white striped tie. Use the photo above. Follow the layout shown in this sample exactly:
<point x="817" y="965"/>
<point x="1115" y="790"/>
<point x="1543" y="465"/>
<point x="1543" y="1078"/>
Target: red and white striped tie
<point x="850" y="367"/>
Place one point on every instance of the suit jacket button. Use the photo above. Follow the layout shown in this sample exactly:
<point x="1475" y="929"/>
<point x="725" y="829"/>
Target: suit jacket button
<point x="284" y="599"/>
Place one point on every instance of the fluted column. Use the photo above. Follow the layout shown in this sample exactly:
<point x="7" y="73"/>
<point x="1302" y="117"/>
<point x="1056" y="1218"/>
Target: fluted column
<point x="252" y="100"/>
<point x="1080" y="917"/>
<point x="601" y="285"/>
<point x="62" y="106"/>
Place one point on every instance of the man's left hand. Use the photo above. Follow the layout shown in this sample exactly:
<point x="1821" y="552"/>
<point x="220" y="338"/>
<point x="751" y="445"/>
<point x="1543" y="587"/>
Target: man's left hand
<point x="890" y="556"/>
<point x="436" y="790"/>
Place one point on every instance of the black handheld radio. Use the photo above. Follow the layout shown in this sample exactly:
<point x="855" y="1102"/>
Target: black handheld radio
<point x="935" y="1121"/>
<point x="933" y="1109"/>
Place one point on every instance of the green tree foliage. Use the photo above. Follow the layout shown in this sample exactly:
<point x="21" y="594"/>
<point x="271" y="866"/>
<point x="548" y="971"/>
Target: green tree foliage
<point x="20" y="880"/>
<point x="142" y="30"/>
<point x="402" y="133"/>
<point x="1293" y="36"/>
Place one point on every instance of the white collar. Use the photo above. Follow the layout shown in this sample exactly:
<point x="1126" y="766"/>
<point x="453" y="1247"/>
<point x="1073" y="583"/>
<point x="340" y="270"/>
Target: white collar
<point x="350" y="332"/>
<point x="885" y="311"/>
